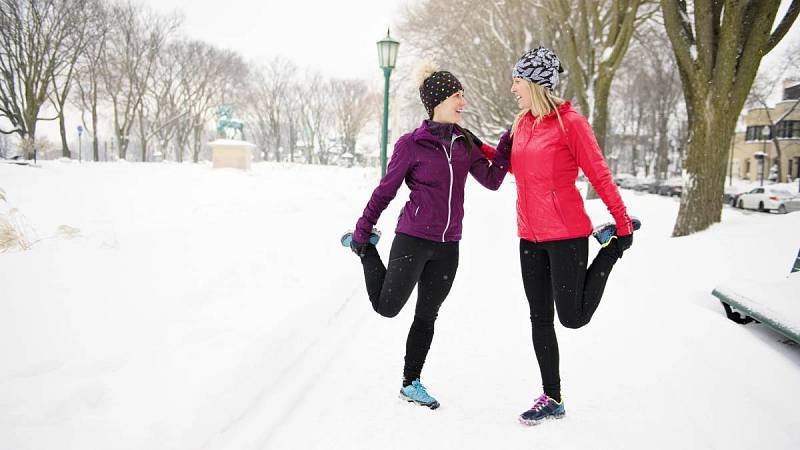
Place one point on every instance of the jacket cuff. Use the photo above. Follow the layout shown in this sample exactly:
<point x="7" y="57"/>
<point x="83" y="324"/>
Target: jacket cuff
<point x="624" y="225"/>
<point x="360" y="234"/>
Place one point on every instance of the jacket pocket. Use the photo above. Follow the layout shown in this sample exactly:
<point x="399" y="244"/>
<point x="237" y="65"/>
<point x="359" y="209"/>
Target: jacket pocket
<point x="557" y="207"/>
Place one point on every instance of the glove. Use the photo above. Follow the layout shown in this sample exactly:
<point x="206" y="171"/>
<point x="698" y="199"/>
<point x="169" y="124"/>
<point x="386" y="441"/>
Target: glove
<point x="475" y="141"/>
<point x="359" y="248"/>
<point x="623" y="243"/>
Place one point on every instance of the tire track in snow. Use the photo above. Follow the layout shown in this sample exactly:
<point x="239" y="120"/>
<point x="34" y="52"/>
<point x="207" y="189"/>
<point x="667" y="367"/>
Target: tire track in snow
<point x="275" y="404"/>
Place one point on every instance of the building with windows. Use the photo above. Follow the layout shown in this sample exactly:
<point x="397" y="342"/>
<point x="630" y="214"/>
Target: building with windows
<point x="754" y="151"/>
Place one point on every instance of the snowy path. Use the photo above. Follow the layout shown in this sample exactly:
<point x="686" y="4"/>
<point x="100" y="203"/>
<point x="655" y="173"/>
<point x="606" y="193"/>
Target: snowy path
<point x="207" y="310"/>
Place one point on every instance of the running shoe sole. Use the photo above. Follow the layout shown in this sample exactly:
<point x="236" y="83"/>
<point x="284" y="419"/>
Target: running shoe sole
<point x="433" y="405"/>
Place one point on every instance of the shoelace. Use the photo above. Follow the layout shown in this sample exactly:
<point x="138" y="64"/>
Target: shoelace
<point x="421" y="390"/>
<point x="541" y="402"/>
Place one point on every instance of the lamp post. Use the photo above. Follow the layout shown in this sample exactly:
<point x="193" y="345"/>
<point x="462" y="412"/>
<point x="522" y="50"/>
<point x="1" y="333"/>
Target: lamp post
<point x="730" y="160"/>
<point x="80" y="144"/>
<point x="387" y="56"/>
<point x="764" y="158"/>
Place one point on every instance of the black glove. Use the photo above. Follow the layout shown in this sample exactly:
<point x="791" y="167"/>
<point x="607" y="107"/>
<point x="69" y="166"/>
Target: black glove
<point x="477" y="142"/>
<point x="359" y="248"/>
<point x="623" y="243"/>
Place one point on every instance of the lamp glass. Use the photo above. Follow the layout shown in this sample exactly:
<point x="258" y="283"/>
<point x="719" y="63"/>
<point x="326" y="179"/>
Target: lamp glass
<point x="387" y="51"/>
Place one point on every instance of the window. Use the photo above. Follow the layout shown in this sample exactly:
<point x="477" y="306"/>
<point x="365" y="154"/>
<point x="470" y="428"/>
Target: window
<point x="792" y="93"/>
<point x="756" y="133"/>
<point x="788" y="129"/>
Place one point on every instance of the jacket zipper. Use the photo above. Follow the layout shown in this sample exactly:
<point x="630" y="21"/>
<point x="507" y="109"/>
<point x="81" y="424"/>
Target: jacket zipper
<point x="449" y="157"/>
<point x="530" y="136"/>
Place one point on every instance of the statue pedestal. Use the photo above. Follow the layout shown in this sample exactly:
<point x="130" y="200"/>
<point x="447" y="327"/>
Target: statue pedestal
<point x="231" y="154"/>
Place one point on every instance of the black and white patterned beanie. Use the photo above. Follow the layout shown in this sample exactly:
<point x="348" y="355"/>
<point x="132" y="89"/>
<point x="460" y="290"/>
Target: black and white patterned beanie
<point x="540" y="66"/>
<point x="436" y="87"/>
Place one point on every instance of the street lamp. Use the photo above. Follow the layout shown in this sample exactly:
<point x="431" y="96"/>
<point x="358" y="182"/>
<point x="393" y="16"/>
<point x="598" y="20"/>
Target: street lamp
<point x="387" y="56"/>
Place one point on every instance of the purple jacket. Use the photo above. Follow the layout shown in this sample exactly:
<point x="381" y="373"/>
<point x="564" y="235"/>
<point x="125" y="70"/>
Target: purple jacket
<point x="436" y="172"/>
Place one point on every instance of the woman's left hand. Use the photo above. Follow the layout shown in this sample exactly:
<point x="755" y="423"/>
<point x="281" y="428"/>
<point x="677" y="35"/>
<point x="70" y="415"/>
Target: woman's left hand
<point x="624" y="243"/>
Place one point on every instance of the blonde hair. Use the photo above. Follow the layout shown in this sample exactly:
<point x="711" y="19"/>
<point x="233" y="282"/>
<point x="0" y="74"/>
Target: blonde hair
<point x="543" y="102"/>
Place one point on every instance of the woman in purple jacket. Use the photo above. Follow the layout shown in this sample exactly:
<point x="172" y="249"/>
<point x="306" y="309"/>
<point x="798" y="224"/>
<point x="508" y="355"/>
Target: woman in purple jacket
<point x="433" y="160"/>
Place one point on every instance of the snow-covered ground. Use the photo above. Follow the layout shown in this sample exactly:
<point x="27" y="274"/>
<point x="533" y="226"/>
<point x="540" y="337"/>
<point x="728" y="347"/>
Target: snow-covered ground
<point x="203" y="309"/>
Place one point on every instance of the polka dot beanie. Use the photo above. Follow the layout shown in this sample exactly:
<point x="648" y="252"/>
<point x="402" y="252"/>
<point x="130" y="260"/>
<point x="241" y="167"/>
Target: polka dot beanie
<point x="435" y="89"/>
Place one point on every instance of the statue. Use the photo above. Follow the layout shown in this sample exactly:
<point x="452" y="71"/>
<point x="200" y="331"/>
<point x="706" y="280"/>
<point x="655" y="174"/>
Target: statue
<point x="226" y="122"/>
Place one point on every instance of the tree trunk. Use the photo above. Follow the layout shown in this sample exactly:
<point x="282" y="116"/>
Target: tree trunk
<point x="600" y="121"/>
<point x="709" y="138"/>
<point x="662" y="155"/>
<point x="95" y="143"/>
<point x="142" y="135"/>
<point x="65" y="152"/>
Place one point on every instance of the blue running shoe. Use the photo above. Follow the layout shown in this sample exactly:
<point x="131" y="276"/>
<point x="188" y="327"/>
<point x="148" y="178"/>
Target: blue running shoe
<point x="606" y="231"/>
<point x="374" y="237"/>
<point x="544" y="408"/>
<point x="415" y="392"/>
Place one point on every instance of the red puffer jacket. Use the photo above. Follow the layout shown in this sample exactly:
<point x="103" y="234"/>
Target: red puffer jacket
<point x="545" y="161"/>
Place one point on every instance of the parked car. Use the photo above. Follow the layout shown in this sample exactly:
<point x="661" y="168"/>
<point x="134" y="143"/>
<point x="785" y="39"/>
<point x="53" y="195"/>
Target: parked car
<point x="654" y="187"/>
<point x="629" y="183"/>
<point x="643" y="186"/>
<point x="672" y="188"/>
<point x="730" y="198"/>
<point x="619" y="179"/>
<point x="769" y="199"/>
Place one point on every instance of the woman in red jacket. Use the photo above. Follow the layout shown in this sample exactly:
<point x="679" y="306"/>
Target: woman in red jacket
<point x="551" y="141"/>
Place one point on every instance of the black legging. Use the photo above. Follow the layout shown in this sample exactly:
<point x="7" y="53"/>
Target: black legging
<point x="555" y="272"/>
<point x="412" y="260"/>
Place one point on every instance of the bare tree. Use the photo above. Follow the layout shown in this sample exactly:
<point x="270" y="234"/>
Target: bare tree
<point x="660" y="94"/>
<point x="163" y="104"/>
<point x="271" y="85"/>
<point x="717" y="65"/>
<point x="316" y="116"/>
<point x="632" y="112"/>
<point x="87" y="76"/>
<point x="83" y="16"/>
<point x="293" y="109"/>
<point x="480" y="49"/>
<point x="35" y="39"/>
<point x="353" y="105"/>
<point x="128" y="63"/>
<point x="592" y="38"/>
<point x="763" y="87"/>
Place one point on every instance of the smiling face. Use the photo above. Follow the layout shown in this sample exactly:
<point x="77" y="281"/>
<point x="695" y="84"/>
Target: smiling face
<point x="522" y="93"/>
<point x="449" y="111"/>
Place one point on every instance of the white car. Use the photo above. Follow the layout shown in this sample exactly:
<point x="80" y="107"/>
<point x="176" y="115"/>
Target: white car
<point x="769" y="199"/>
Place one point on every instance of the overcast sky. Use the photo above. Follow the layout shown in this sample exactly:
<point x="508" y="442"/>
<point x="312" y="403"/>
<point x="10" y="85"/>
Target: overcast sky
<point x="336" y="37"/>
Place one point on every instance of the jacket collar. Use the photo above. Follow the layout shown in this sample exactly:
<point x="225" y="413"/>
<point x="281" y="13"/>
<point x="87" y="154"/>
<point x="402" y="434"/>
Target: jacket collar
<point x="562" y="108"/>
<point x="423" y="133"/>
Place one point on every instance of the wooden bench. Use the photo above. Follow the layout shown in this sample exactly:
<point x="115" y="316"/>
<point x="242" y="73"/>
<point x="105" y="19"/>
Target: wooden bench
<point x="775" y="304"/>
